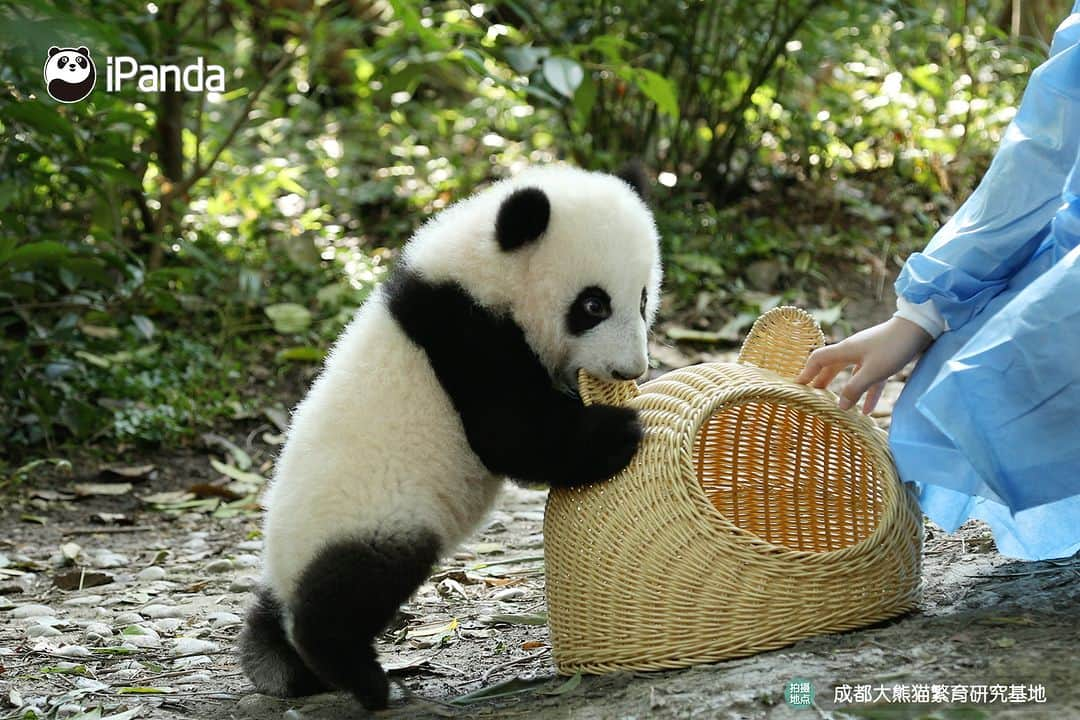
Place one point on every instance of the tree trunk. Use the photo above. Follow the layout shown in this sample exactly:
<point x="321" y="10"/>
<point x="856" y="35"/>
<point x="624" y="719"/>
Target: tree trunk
<point x="169" y="130"/>
<point x="1033" y="21"/>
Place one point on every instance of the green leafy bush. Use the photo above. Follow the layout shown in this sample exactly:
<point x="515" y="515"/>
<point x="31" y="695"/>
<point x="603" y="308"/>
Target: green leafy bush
<point x="165" y="258"/>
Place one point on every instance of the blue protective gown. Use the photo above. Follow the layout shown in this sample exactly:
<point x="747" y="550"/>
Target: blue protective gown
<point x="988" y="425"/>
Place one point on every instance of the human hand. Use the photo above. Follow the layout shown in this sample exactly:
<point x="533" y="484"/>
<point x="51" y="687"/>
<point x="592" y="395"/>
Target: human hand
<point x="877" y="353"/>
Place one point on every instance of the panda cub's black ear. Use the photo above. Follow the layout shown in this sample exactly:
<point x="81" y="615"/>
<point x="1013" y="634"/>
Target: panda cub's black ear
<point x="523" y="217"/>
<point x="633" y="174"/>
<point x="53" y="50"/>
<point x="82" y="51"/>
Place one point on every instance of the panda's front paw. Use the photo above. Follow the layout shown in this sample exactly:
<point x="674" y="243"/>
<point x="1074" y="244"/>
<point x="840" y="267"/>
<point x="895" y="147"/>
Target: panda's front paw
<point x="609" y="438"/>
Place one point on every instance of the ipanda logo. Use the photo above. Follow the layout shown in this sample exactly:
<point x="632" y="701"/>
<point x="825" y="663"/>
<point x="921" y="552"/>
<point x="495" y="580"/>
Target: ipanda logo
<point x="70" y="75"/>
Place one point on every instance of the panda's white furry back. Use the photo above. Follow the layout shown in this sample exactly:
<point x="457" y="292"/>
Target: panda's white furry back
<point x="455" y="374"/>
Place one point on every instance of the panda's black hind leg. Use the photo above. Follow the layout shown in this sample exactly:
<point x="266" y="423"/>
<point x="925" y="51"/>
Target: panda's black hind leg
<point x="347" y="596"/>
<point x="268" y="659"/>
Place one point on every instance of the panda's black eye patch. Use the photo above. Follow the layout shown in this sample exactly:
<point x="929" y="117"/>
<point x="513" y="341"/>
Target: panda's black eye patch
<point x="591" y="307"/>
<point x="644" y="302"/>
<point x="63" y="60"/>
<point x="81" y="61"/>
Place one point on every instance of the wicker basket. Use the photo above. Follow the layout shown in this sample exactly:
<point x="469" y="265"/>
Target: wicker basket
<point x="755" y="513"/>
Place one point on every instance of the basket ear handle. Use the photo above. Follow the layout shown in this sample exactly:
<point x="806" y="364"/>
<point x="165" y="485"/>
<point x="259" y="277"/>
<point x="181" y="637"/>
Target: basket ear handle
<point x="603" y="392"/>
<point x="781" y="340"/>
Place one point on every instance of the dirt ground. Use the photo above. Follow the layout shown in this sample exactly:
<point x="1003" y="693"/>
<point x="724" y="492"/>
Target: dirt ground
<point x="122" y="590"/>
<point x="156" y="641"/>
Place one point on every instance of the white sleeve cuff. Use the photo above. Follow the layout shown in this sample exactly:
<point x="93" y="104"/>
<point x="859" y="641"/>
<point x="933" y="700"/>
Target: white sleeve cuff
<point x="923" y="314"/>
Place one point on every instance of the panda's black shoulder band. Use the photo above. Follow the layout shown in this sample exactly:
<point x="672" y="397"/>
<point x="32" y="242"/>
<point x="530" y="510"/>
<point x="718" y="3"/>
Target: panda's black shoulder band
<point x="523" y="217"/>
<point x="515" y="420"/>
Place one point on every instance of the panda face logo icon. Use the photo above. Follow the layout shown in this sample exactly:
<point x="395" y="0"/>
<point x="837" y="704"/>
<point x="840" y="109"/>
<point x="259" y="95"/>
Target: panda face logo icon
<point x="70" y="74"/>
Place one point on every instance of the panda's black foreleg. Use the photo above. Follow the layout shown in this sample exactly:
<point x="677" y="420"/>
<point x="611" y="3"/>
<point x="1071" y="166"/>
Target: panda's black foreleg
<point x="347" y="596"/>
<point x="553" y="439"/>
<point x="600" y="444"/>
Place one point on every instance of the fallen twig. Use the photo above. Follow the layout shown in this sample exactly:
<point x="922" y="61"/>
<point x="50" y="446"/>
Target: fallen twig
<point x="92" y="530"/>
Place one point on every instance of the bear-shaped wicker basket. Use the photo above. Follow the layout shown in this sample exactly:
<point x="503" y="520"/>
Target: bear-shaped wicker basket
<point x="755" y="513"/>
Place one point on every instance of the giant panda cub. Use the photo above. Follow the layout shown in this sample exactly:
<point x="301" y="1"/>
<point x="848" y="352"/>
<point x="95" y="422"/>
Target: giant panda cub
<point x="456" y="373"/>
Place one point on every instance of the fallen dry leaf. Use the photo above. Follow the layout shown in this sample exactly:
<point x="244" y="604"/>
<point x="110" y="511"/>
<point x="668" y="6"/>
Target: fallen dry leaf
<point x="461" y="576"/>
<point x="205" y="490"/>
<point x="107" y="518"/>
<point x="236" y="473"/>
<point x="433" y="629"/>
<point x="89" y="489"/>
<point x="80" y="578"/>
<point x="51" y="495"/>
<point x="407" y="665"/>
<point x="168" y="497"/>
<point x="682" y="334"/>
<point x="129" y="472"/>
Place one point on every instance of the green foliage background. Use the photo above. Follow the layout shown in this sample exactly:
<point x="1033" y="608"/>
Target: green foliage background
<point x="168" y="261"/>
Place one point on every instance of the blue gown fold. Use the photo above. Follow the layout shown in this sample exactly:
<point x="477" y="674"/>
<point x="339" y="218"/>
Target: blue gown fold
<point x="988" y="425"/>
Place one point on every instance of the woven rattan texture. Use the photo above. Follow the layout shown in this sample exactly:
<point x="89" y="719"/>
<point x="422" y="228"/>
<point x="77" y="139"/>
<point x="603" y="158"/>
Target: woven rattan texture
<point x="755" y="513"/>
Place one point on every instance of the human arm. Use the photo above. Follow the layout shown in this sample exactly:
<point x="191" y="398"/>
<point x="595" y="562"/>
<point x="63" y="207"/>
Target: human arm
<point x="995" y="232"/>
